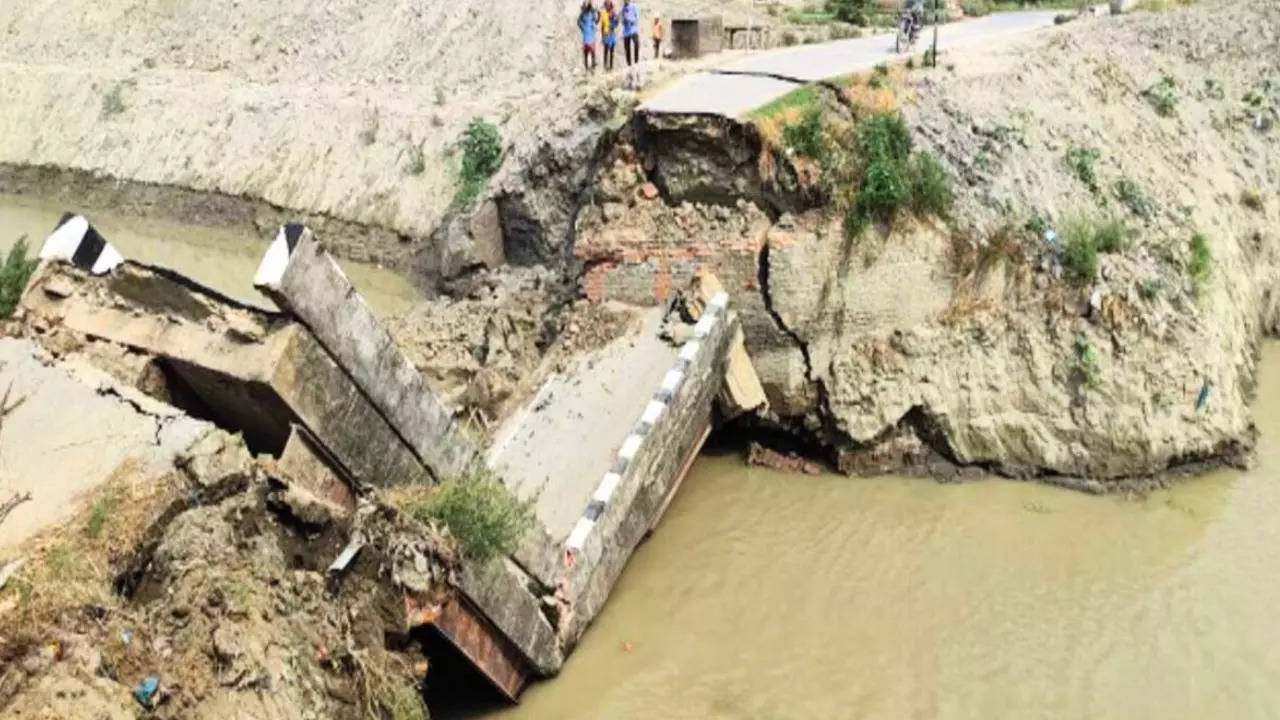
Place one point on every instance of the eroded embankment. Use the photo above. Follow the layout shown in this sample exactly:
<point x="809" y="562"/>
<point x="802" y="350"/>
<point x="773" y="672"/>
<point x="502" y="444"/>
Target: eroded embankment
<point x="1087" y="312"/>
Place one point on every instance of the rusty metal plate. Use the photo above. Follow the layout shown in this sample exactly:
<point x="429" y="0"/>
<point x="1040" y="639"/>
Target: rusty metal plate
<point x="472" y="635"/>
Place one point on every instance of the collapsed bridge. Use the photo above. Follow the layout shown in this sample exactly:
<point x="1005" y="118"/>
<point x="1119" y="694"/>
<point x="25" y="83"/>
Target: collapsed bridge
<point x="320" y="386"/>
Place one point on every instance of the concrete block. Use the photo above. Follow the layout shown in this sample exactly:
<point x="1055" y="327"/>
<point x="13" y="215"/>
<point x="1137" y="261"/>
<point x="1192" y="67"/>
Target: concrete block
<point x="253" y="371"/>
<point x="500" y="591"/>
<point x="305" y="280"/>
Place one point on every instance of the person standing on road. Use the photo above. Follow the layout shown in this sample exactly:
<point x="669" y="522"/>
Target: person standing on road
<point x="588" y="19"/>
<point x="657" y="37"/>
<point x="609" y="33"/>
<point x="631" y="31"/>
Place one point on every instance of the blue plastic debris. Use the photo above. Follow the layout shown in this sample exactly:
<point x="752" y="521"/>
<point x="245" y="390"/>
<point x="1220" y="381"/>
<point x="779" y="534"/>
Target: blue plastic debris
<point x="126" y="637"/>
<point x="146" y="691"/>
<point x="1204" y="396"/>
<point x="1050" y="237"/>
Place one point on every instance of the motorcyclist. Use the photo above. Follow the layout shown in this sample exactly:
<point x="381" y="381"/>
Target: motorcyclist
<point x="915" y="9"/>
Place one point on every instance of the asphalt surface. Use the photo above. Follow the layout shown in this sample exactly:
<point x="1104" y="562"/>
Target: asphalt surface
<point x="747" y="83"/>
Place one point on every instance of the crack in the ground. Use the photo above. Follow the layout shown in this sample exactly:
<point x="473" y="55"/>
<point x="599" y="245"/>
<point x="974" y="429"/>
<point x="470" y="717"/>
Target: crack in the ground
<point x="830" y="428"/>
<point x="161" y="421"/>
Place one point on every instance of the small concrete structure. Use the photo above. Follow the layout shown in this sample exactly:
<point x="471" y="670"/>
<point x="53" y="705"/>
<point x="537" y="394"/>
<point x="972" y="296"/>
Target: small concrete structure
<point x="304" y="280"/>
<point x="694" y="37"/>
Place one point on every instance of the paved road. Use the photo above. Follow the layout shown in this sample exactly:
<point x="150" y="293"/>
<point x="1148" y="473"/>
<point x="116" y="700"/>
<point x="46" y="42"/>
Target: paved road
<point x="568" y="437"/>
<point x="747" y="83"/>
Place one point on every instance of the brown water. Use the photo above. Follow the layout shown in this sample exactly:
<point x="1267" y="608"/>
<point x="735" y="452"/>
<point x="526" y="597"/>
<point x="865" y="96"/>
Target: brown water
<point x="220" y="258"/>
<point x="767" y="596"/>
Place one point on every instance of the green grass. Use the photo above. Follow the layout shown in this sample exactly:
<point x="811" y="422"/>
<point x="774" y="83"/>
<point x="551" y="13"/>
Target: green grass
<point x="481" y="146"/>
<point x="1131" y="196"/>
<point x="1163" y="96"/>
<point x="804" y="138"/>
<point x="882" y="176"/>
<point x="1083" y="238"/>
<point x="481" y="514"/>
<point x="1082" y="161"/>
<point x="1110" y="235"/>
<point x="14" y="275"/>
<point x="804" y="97"/>
<point x="931" y="192"/>
<point x="975" y="8"/>
<point x="1200" y="265"/>
<point x="1087" y="365"/>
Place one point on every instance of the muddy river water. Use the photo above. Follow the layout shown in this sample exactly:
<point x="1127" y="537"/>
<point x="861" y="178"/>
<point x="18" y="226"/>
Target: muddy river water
<point x="766" y="596"/>
<point x="220" y="258"/>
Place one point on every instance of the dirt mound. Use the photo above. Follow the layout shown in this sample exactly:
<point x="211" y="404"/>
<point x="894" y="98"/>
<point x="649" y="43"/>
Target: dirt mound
<point x="214" y="587"/>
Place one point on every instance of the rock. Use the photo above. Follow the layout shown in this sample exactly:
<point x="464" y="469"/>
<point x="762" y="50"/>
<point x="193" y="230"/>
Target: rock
<point x="649" y="191"/>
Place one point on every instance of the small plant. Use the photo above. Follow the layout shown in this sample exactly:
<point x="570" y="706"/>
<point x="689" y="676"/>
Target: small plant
<point x="789" y="39"/>
<point x="1131" y="196"/>
<point x="103" y="508"/>
<point x="113" y="101"/>
<point x="415" y="159"/>
<point x="1163" y="96"/>
<point x="14" y="275"/>
<point x="481" y="514"/>
<point x="1200" y="266"/>
<point x="975" y="8"/>
<point x="1149" y="289"/>
<point x="1252" y="199"/>
<point x="1110" y="235"/>
<point x="440" y="97"/>
<point x="931" y="192"/>
<point x="804" y="138"/>
<point x="882" y="69"/>
<point x="1081" y="161"/>
<point x="930" y="58"/>
<point x="1087" y="365"/>
<point x="1037" y="225"/>
<point x="369" y="131"/>
<point x="911" y="63"/>
<point x="1080" y="254"/>
<point x="481" y="146"/>
<point x="1063" y="19"/>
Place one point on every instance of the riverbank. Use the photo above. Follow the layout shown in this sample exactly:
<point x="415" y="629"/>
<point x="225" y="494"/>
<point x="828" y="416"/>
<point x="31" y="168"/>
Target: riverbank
<point x="890" y="598"/>
<point x="1080" y="298"/>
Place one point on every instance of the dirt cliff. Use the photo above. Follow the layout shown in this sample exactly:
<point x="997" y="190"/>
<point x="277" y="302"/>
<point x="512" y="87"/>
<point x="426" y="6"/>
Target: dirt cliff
<point x="978" y="340"/>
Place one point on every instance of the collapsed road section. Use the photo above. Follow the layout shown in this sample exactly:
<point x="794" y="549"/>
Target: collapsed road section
<point x="321" y="390"/>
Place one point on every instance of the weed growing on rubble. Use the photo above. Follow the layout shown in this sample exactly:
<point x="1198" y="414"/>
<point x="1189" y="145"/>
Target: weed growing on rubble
<point x="1200" y="266"/>
<point x="878" y="175"/>
<point x="1083" y="238"/>
<point x="481" y="146"/>
<point x="481" y="514"/>
<point x="1081" y="162"/>
<point x="1163" y="96"/>
<point x="14" y="275"/>
<point x="1087" y="365"/>
<point x="1131" y="196"/>
<point x="1252" y="199"/>
<point x="113" y="101"/>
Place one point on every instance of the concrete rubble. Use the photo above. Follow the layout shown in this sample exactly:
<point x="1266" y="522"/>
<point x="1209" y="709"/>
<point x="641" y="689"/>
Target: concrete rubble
<point x="332" y="414"/>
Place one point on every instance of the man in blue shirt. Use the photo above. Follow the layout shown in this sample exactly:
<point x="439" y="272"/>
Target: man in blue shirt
<point x="631" y="31"/>
<point x="588" y="22"/>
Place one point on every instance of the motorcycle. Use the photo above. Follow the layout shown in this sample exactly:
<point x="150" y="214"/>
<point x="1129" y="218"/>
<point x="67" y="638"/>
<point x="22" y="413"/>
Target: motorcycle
<point x="908" y="31"/>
